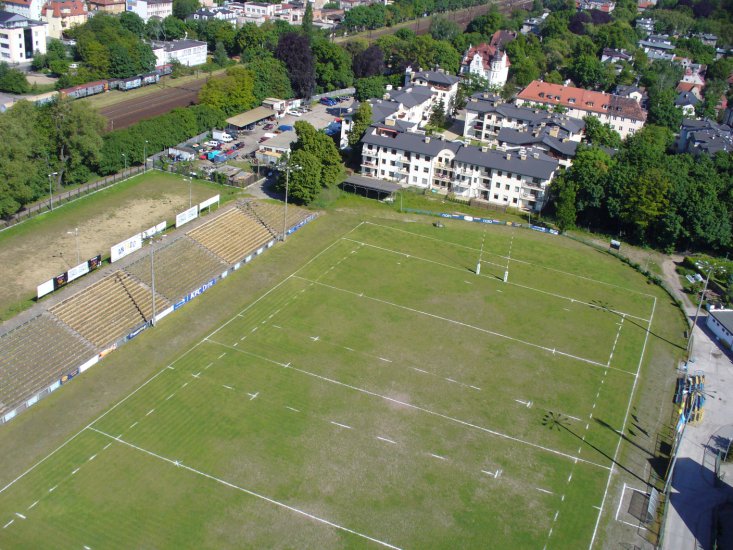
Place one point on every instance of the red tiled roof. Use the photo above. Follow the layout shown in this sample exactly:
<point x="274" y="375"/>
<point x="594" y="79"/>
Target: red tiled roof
<point x="585" y="100"/>
<point x="19" y="2"/>
<point x="687" y="86"/>
<point x="487" y="53"/>
<point x="64" y="8"/>
<point x="501" y="38"/>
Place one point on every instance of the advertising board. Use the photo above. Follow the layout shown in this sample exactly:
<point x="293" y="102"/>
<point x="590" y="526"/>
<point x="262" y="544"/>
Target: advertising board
<point x="187" y="216"/>
<point x="126" y="247"/>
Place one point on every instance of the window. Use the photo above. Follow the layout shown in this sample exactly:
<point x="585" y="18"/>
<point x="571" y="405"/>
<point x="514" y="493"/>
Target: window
<point x="382" y="171"/>
<point x="505" y="198"/>
<point x="394" y="151"/>
<point x="507" y="187"/>
<point x="425" y="181"/>
<point x="500" y="173"/>
<point x="425" y="170"/>
<point x="496" y="196"/>
<point x="514" y="201"/>
<point x="414" y="179"/>
<point x="516" y="190"/>
<point x="497" y="185"/>
<point x="384" y="161"/>
<point x="393" y="163"/>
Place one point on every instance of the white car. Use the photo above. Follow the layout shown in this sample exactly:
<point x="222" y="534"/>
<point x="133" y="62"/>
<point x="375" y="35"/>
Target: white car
<point x="294" y="113"/>
<point x="212" y="143"/>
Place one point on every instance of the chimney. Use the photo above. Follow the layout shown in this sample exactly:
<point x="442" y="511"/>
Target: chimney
<point x="427" y="139"/>
<point x="484" y="149"/>
<point x="535" y="155"/>
<point x="509" y="156"/>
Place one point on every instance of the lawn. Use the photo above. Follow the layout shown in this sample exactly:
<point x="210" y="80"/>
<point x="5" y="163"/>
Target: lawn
<point x="382" y="394"/>
<point x="36" y="250"/>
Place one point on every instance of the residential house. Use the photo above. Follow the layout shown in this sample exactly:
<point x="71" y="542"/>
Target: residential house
<point x="260" y="9"/>
<point x="30" y="9"/>
<point x="643" y="5"/>
<point x="210" y="14"/>
<point x="610" y="55"/>
<point x="442" y="85"/>
<point x="501" y="38"/>
<point x="623" y="114"/>
<point x="186" y="52"/>
<point x="107" y="6"/>
<point x="706" y="38"/>
<point x="275" y="149"/>
<point x="687" y="101"/>
<point x="646" y="25"/>
<point x="720" y="323"/>
<point x="600" y="5"/>
<point x="690" y="87"/>
<point x="20" y="38"/>
<point x="151" y="8"/>
<point x="486" y="115"/>
<point x="487" y="62"/>
<point x="534" y="24"/>
<point x="705" y="136"/>
<point x="547" y="140"/>
<point x="515" y="179"/>
<point x="636" y="93"/>
<point x="61" y="15"/>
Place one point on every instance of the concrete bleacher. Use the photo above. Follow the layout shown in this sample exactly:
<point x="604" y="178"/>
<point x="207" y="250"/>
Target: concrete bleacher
<point x="232" y="235"/>
<point x="109" y="309"/>
<point x="180" y="268"/>
<point x="271" y="214"/>
<point x="35" y="355"/>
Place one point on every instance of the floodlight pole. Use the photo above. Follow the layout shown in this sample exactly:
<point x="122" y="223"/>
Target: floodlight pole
<point x="481" y="255"/>
<point x="288" y="169"/>
<point x="75" y="232"/>
<point x="697" y="312"/>
<point x="152" y="278"/>
<point x="50" y="187"/>
<point x="124" y="156"/>
<point x="145" y="156"/>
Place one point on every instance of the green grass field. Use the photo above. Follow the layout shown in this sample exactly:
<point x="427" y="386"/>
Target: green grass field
<point x="383" y="394"/>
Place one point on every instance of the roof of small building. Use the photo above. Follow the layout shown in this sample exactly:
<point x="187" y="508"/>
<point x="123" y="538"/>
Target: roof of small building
<point x="57" y="8"/>
<point x="438" y="77"/>
<point x="724" y="317"/>
<point x="176" y="45"/>
<point x="686" y="98"/>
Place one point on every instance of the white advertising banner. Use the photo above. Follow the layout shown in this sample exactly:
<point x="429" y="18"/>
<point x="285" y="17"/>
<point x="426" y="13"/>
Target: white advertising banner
<point x="209" y="202"/>
<point x="187" y="215"/>
<point x="78" y="271"/>
<point x="45" y="288"/>
<point x="126" y="247"/>
<point x="154" y="230"/>
<point x="93" y="361"/>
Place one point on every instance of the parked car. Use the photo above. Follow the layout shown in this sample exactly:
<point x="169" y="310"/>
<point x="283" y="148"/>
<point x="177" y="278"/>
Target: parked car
<point x="295" y="113"/>
<point x="212" y="143"/>
<point x="269" y="127"/>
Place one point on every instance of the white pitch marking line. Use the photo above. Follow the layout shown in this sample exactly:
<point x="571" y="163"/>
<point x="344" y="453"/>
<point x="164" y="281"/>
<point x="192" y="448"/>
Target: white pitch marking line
<point x="350" y="349"/>
<point x="197" y="375"/>
<point x="468" y="282"/>
<point x="252" y="493"/>
<point x="386" y="440"/>
<point x="437" y="456"/>
<point x="8" y="524"/>
<point x="597" y="507"/>
<point x="467" y="325"/>
<point x="227" y="387"/>
<point x="570" y="477"/>
<point x="52" y="489"/>
<point x="341" y="425"/>
<point x="544" y="491"/>
<point x="620" y="501"/>
<point x="222" y="355"/>
<point x="557" y="513"/>
<point x="185" y="384"/>
<point x="475" y="388"/>
<point x="74" y="472"/>
<point x="151" y="411"/>
<point x="562" y="498"/>
<point x="499" y="290"/>
<point x="170" y="396"/>
<point x="385" y="359"/>
<point x="32" y="505"/>
<point x="277" y="326"/>
<point x="169" y="367"/>
<point x="92" y="457"/>
<point x="315" y="338"/>
<point x="492" y="474"/>
<point x="292" y="408"/>
<point x="254" y="329"/>
<point x="132" y="425"/>
<point x="235" y="344"/>
<point x="107" y="446"/>
<point x="253" y="395"/>
<point x="423" y="409"/>
<point x="420" y="370"/>
<point x="21" y="516"/>
<point x="87" y="547"/>
<point x="242" y="338"/>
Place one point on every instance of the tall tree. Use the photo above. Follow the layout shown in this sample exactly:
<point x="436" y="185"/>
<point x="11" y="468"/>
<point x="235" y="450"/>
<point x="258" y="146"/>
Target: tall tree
<point x="360" y="122"/>
<point x="232" y="93"/>
<point x="220" y="55"/>
<point x="322" y="148"/>
<point x="368" y="62"/>
<point x="565" y="211"/>
<point x="294" y="50"/>
<point x="183" y="8"/>
<point x="332" y="65"/>
<point x="270" y="78"/>
<point x="304" y="182"/>
<point x="306" y="24"/>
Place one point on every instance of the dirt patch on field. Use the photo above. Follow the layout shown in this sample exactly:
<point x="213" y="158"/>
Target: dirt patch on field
<point x="34" y="256"/>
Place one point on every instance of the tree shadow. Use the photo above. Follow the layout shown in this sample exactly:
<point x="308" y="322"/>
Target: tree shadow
<point x="557" y="421"/>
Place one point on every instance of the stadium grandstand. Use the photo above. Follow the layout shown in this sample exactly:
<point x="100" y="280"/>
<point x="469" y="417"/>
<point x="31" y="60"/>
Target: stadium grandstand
<point x="180" y="267"/>
<point x="107" y="310"/>
<point x="39" y="355"/>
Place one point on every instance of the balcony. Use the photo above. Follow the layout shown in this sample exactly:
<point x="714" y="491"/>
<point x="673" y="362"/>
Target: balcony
<point x="369" y="163"/>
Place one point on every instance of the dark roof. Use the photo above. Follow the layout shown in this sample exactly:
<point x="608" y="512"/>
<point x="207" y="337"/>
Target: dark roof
<point x="413" y="143"/>
<point x="514" y="137"/>
<point x="437" y="77"/>
<point x="508" y="161"/>
<point x="686" y="98"/>
<point x="372" y="183"/>
<point x="724" y="317"/>
<point x="412" y="96"/>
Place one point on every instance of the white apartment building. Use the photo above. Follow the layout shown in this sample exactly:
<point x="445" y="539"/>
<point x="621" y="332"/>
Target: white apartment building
<point x="151" y="8"/>
<point x="488" y="62"/>
<point x="30" y="9"/>
<point x="515" y="179"/>
<point x="20" y="38"/>
<point x="623" y="114"/>
<point x="720" y="322"/>
<point x="260" y="9"/>
<point x="186" y="52"/>
<point x="487" y="114"/>
<point x="442" y="85"/>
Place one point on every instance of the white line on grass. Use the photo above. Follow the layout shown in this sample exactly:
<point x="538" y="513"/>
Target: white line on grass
<point x="21" y="516"/>
<point x="540" y="490"/>
<point x="249" y="492"/>
<point x="438" y="456"/>
<point x="618" y="333"/>
<point x="623" y="426"/>
<point x="494" y="279"/>
<point x="419" y="408"/>
<point x="8" y="524"/>
<point x="519" y="261"/>
<point x="467" y="325"/>
<point x="341" y="425"/>
<point x="292" y="408"/>
<point x="386" y="440"/>
<point x="32" y="505"/>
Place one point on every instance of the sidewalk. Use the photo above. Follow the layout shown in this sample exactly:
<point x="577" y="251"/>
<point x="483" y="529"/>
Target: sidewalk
<point x="694" y="494"/>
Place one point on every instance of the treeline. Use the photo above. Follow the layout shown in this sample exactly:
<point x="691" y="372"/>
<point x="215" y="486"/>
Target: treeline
<point x="375" y="16"/>
<point x="648" y="194"/>
<point x="62" y="144"/>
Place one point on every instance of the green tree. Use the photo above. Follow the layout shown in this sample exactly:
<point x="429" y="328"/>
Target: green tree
<point x="588" y="176"/>
<point x="360" y="122"/>
<point x="565" y="211"/>
<point x="232" y="93"/>
<point x="437" y="115"/>
<point x="74" y="133"/>
<point x="133" y="23"/>
<point x="322" y="148"/>
<point x="13" y="80"/>
<point x="601" y="134"/>
<point x="371" y="87"/>
<point x="663" y="111"/>
<point x="304" y="182"/>
<point x="442" y="28"/>
<point x="184" y="8"/>
<point x="306" y="24"/>
<point x="332" y="66"/>
<point x="588" y="72"/>
<point x="645" y="202"/>
<point x="270" y="78"/>
<point x="220" y="55"/>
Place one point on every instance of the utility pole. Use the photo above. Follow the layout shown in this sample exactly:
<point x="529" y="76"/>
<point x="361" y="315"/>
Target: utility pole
<point x="288" y="169"/>
<point x="50" y="187"/>
<point x="699" y="305"/>
<point x="152" y="278"/>
<point x="145" y="156"/>
<point x="75" y="232"/>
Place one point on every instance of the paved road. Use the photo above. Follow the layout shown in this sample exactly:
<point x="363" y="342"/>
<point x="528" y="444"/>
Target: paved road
<point x="694" y="493"/>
